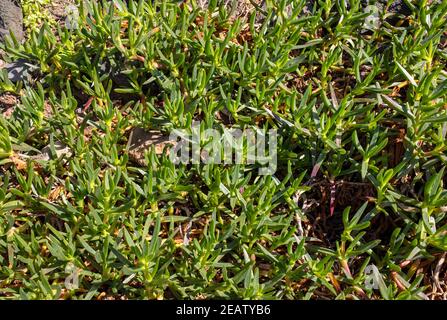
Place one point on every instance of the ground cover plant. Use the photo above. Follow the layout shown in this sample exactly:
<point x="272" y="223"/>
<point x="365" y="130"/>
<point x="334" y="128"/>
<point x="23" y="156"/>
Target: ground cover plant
<point x="355" y="210"/>
<point x="35" y="13"/>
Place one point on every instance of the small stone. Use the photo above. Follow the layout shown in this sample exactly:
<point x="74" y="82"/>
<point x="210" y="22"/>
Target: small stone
<point x="60" y="148"/>
<point x="20" y="70"/>
<point x="11" y="19"/>
<point x="142" y="140"/>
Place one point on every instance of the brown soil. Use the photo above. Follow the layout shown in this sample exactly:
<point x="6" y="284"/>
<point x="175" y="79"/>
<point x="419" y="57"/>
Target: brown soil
<point x="57" y="9"/>
<point x="7" y="104"/>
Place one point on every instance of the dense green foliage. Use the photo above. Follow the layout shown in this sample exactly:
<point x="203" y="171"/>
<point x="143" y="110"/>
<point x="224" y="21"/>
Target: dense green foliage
<point x="361" y="154"/>
<point x="35" y="13"/>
